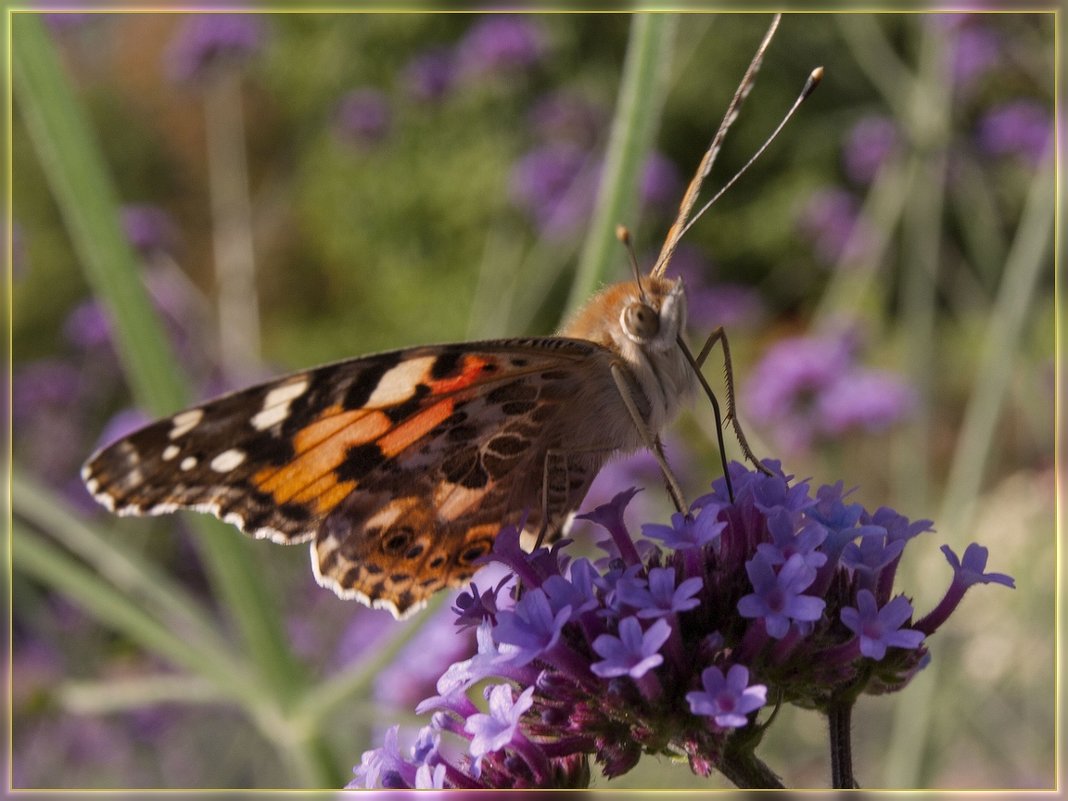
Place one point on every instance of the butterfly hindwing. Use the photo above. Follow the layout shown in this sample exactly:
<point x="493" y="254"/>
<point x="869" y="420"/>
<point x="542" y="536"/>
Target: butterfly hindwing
<point x="400" y="467"/>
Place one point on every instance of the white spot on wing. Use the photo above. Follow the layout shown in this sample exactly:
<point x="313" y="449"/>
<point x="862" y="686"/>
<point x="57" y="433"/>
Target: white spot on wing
<point x="276" y="405"/>
<point x="170" y="452"/>
<point x="188" y="463"/>
<point x="398" y="384"/>
<point x="227" y="460"/>
<point x="185" y="422"/>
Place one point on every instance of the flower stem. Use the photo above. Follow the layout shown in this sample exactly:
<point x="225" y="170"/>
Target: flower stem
<point x="839" y="719"/>
<point x="747" y="771"/>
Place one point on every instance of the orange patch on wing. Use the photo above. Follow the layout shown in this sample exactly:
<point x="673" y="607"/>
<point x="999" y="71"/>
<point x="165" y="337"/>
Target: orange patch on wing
<point x="321" y="446"/>
<point x="472" y="369"/>
<point x="415" y="427"/>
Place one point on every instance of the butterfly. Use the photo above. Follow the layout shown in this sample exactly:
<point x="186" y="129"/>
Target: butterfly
<point x="401" y="468"/>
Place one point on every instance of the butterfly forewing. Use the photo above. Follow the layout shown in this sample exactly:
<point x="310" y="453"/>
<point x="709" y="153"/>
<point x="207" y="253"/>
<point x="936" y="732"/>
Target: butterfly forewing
<point x="401" y="467"/>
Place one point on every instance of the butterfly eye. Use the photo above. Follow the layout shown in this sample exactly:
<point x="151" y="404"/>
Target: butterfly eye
<point x="640" y="321"/>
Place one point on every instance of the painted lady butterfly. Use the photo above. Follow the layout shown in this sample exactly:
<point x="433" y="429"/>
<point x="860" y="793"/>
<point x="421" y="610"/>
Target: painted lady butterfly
<point x="400" y="468"/>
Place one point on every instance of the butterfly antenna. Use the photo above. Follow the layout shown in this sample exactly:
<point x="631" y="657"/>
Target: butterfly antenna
<point x="623" y="235"/>
<point x="690" y="198"/>
<point x="811" y="83"/>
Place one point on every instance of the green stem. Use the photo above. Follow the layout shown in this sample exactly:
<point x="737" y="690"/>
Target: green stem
<point x="138" y="579"/>
<point x="638" y="106"/>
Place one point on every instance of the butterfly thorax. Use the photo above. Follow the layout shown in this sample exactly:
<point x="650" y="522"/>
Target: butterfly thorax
<point x="641" y="326"/>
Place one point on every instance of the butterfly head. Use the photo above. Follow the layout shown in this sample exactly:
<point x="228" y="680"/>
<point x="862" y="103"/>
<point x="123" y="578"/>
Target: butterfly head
<point x="654" y="318"/>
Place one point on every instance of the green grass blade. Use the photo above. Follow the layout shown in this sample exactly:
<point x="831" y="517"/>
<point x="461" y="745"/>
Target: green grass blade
<point x="35" y="557"/>
<point x="80" y="182"/>
<point x="634" y="127"/>
<point x="140" y="580"/>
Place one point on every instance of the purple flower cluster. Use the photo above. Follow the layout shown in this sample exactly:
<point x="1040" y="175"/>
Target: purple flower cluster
<point x="675" y="641"/>
<point x="831" y="220"/>
<point x="206" y="43"/>
<point x="811" y="388"/>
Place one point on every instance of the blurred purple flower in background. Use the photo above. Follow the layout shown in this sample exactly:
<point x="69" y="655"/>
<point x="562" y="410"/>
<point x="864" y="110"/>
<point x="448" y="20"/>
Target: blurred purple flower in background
<point x="661" y="184"/>
<point x="1017" y="128"/>
<point x="205" y="43"/>
<point x="567" y="116"/>
<point x="556" y="185"/>
<point x="64" y="21"/>
<point x="431" y="75"/>
<point x="149" y="229"/>
<point x="974" y="51"/>
<point x="713" y="303"/>
<point x="831" y="221"/>
<point x="363" y="116"/>
<point x="868" y="144"/>
<point x="501" y="43"/>
<point x="865" y="400"/>
<point x="811" y="388"/>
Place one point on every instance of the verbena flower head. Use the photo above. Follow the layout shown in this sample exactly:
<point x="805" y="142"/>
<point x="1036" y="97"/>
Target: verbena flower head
<point x="681" y="646"/>
<point x="205" y="43"/>
<point x="831" y="220"/>
<point x="1022" y="128"/>
<point x="868" y="144"/>
<point x="363" y="116"/>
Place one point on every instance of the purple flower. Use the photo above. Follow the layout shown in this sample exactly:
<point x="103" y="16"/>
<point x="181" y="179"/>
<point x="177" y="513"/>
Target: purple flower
<point x="897" y="525"/>
<point x="567" y="117"/>
<point x="576" y="592"/>
<point x="1018" y="128"/>
<point x="778" y="598"/>
<point x="713" y="303"/>
<point x="59" y="21"/>
<point x="149" y="229"/>
<point x="869" y="142"/>
<point x="206" y="43"/>
<point x="660" y="596"/>
<point x="727" y="700"/>
<point x="492" y="732"/>
<point x="556" y="185"/>
<point x="430" y="778"/>
<point x="430" y="75"/>
<point x="869" y="556"/>
<point x="972" y="569"/>
<point x="784" y="387"/>
<point x="610" y="517"/>
<point x="472" y="608"/>
<point x="43" y="385"/>
<point x="634" y="652"/>
<point x="831" y="221"/>
<point x="879" y="629"/>
<point x="533" y="627"/>
<point x="686" y="531"/>
<point x="785" y="542"/>
<point x="420" y="662"/>
<point x="363" y="116"/>
<point x="500" y="43"/>
<point x="864" y="400"/>
<point x="975" y="51"/>
<point x="382" y="767"/>
<point x="603" y="687"/>
<point x="967" y="572"/>
<point x="661" y="185"/>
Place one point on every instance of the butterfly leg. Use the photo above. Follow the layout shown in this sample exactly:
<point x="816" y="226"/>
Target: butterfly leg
<point x="648" y="438"/>
<point x="719" y="335"/>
